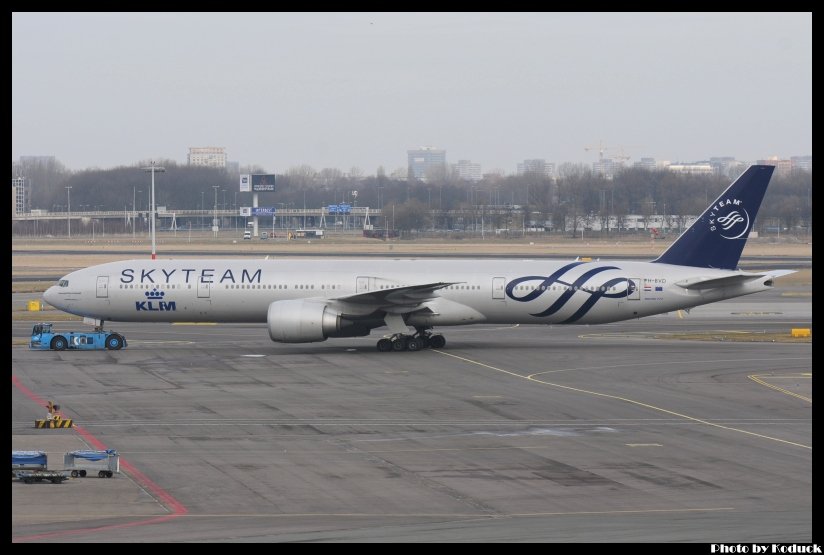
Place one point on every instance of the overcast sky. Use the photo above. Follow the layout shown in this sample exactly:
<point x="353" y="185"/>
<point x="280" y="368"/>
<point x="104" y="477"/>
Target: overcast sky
<point x="359" y="89"/>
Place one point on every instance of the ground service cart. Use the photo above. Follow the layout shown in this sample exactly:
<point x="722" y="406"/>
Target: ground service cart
<point x="31" y="466"/>
<point x="104" y="463"/>
<point x="28" y="460"/>
<point x="43" y="338"/>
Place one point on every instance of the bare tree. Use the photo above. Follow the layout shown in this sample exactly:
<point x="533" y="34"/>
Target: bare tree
<point x="410" y="215"/>
<point x="327" y="176"/>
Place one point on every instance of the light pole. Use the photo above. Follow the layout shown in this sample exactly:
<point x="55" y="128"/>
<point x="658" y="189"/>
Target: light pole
<point x="234" y="209"/>
<point x="134" y="213"/>
<point x="214" y="219"/>
<point x="201" y="209"/>
<point x="69" y="210"/>
<point x="153" y="168"/>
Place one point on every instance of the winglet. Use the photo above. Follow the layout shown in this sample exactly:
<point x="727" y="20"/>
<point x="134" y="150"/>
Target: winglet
<point x="716" y="239"/>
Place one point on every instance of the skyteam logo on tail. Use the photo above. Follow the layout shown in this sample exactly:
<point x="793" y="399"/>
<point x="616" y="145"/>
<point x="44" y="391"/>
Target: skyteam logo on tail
<point x="155" y="302"/>
<point x="730" y="219"/>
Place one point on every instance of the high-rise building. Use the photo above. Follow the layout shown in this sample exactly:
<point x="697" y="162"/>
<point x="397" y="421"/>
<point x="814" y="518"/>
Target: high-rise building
<point x="425" y="162"/>
<point x="802" y="163"/>
<point x="468" y="170"/>
<point x="536" y="166"/>
<point x="211" y="156"/>
<point x="18" y="196"/>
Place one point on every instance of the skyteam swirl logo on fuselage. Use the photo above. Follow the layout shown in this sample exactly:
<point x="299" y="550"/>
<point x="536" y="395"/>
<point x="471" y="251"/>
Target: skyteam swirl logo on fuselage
<point x="729" y="218"/>
<point x="570" y="289"/>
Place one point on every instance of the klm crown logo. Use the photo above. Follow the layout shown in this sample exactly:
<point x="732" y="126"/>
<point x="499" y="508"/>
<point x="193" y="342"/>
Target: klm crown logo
<point x="154" y="294"/>
<point x="154" y="302"/>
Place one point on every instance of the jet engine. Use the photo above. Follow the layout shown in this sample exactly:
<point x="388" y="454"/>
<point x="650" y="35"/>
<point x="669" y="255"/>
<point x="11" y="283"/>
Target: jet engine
<point x="305" y="321"/>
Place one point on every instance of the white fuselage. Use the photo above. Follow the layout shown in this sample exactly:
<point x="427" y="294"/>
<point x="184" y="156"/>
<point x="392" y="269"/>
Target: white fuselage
<point x="480" y="291"/>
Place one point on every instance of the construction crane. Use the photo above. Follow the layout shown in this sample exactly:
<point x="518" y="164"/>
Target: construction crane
<point x="600" y="148"/>
<point x="619" y="157"/>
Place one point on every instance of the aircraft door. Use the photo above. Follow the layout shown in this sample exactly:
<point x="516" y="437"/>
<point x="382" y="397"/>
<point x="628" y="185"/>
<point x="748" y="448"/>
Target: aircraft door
<point x="102" y="287"/>
<point x="362" y="284"/>
<point x="634" y="292"/>
<point x="203" y="289"/>
<point x="498" y="287"/>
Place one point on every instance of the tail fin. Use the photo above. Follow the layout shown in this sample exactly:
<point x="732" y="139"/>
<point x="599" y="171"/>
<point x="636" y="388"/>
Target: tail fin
<point x="716" y="239"/>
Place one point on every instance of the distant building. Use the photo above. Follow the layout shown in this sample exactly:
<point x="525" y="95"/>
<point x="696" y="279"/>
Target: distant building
<point x="467" y="170"/>
<point x="802" y="163"/>
<point x="19" y="196"/>
<point x="426" y="161"/>
<point x="781" y="166"/>
<point x="646" y="163"/>
<point x="695" y="168"/>
<point x="536" y="166"/>
<point x="606" y="167"/>
<point x="30" y="161"/>
<point x="233" y="167"/>
<point x="211" y="156"/>
<point x="726" y="165"/>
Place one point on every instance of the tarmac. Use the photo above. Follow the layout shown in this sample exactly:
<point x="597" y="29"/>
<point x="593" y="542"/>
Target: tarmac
<point x="508" y="434"/>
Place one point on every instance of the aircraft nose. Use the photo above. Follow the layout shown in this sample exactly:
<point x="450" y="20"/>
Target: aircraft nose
<point x="50" y="296"/>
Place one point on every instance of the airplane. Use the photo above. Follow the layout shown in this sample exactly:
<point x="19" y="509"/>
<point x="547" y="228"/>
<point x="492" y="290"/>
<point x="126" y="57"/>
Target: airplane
<point x="304" y="301"/>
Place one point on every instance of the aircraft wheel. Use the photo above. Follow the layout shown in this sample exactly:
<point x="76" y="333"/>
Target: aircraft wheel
<point x="414" y="344"/>
<point x="114" y="342"/>
<point x="384" y="345"/>
<point x="399" y="344"/>
<point x="101" y="474"/>
<point x="75" y="474"/>
<point x="437" y="341"/>
<point x="82" y="473"/>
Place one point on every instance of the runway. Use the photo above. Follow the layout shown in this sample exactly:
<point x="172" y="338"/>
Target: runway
<point x="508" y="434"/>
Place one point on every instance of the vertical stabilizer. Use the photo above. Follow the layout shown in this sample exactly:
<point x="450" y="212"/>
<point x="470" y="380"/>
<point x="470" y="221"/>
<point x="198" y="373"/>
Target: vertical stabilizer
<point x="716" y="239"/>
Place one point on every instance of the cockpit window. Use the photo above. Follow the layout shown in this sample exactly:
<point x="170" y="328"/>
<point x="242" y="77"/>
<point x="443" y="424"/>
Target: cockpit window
<point x="63" y="283"/>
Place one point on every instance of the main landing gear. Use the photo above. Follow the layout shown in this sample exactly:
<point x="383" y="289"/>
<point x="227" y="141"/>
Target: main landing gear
<point x="422" y="339"/>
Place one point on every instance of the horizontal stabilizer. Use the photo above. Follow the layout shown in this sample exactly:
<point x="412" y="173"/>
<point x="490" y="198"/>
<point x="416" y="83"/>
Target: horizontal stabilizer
<point x="715" y="282"/>
<point x="779" y="273"/>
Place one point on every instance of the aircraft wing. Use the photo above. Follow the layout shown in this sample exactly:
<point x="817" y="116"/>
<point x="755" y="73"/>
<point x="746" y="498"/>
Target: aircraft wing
<point x="407" y="295"/>
<point x="397" y="300"/>
<point x="727" y="281"/>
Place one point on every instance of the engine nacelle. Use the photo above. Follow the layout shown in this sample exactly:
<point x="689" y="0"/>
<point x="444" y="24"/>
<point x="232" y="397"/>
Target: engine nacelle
<point x="305" y="321"/>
